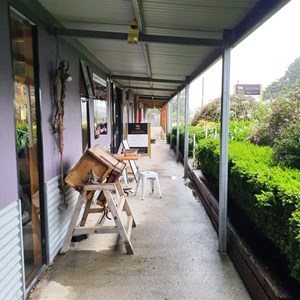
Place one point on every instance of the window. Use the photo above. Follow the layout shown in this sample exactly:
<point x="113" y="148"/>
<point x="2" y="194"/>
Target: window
<point x="87" y="81"/>
<point x="100" y="107"/>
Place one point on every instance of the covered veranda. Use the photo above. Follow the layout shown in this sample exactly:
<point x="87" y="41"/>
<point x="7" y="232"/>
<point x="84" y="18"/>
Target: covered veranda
<point x="172" y="43"/>
<point x="175" y="247"/>
<point x="178" y="40"/>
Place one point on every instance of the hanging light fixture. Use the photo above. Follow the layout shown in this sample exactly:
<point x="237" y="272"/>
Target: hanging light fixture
<point x="133" y="33"/>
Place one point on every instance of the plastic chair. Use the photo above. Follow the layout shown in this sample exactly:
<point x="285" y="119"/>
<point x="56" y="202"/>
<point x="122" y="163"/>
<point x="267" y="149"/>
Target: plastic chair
<point x="144" y="176"/>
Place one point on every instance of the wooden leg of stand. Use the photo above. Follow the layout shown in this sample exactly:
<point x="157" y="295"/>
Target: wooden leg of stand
<point x="86" y="212"/>
<point x="126" y="207"/>
<point x="73" y="222"/>
<point x="121" y="229"/>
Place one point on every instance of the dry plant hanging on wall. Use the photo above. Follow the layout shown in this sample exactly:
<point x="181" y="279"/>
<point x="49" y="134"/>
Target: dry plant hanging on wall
<point x="61" y="77"/>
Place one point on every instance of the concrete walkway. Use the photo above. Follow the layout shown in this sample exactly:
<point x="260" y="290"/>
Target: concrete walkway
<point x="175" y="248"/>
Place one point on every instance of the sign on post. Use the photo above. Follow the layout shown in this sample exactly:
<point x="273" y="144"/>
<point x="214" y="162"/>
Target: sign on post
<point x="138" y="137"/>
<point x="248" y="89"/>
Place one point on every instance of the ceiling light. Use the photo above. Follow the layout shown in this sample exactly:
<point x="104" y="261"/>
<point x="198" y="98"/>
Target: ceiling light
<point x="133" y="33"/>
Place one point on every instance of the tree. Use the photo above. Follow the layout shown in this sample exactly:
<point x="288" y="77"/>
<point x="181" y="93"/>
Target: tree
<point x="291" y="80"/>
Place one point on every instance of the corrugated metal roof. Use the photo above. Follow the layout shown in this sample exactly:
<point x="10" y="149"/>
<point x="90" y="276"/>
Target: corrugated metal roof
<point x="195" y="15"/>
<point x="197" y="24"/>
<point x="92" y="11"/>
<point x="117" y="56"/>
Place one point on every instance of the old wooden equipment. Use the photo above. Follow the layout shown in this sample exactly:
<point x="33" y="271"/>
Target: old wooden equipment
<point x="96" y="176"/>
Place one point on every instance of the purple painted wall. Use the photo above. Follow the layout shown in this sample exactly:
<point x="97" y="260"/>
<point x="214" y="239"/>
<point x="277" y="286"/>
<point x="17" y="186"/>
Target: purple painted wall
<point x="72" y="118"/>
<point x="8" y="170"/>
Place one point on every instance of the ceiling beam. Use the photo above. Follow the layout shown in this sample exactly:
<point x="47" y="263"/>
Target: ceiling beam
<point x="154" y="97"/>
<point x="162" y="39"/>
<point x="147" y="59"/>
<point x="135" y="78"/>
<point x="149" y="88"/>
<point x="139" y="15"/>
<point x="180" y="40"/>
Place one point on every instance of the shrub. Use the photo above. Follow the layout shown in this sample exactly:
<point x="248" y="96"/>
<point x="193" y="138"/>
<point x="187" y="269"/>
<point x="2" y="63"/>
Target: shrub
<point x="209" y="112"/>
<point x="241" y="108"/>
<point x="287" y="146"/>
<point x="239" y="130"/>
<point x="173" y="140"/>
<point x="168" y="138"/>
<point x="267" y="193"/>
<point x="207" y="157"/>
<point x="282" y="111"/>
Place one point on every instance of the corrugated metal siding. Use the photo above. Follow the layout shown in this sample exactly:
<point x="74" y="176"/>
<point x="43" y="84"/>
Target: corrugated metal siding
<point x="11" y="253"/>
<point x="58" y="221"/>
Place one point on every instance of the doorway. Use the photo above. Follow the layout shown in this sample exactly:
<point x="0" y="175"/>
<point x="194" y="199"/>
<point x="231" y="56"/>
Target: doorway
<point x="28" y="141"/>
<point x="117" y="118"/>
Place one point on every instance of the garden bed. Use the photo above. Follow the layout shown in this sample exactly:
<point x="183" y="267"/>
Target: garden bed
<point x="260" y="265"/>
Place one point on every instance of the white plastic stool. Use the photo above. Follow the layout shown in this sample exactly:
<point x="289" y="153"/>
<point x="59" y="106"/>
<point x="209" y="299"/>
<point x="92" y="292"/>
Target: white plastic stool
<point x="148" y="175"/>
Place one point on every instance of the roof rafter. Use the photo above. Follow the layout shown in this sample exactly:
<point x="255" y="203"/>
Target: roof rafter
<point x="153" y="97"/>
<point x="135" y="78"/>
<point x="162" y="39"/>
<point x="149" y="88"/>
<point x="139" y="14"/>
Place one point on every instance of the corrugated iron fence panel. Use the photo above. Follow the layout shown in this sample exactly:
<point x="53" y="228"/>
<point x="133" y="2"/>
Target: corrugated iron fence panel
<point x="58" y="221"/>
<point x="11" y="253"/>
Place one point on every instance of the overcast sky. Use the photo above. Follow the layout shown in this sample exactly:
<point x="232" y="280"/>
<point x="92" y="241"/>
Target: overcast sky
<point x="261" y="58"/>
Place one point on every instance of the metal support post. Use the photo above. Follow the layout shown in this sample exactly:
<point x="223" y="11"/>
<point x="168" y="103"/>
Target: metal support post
<point x="170" y="104"/>
<point x="202" y="96"/>
<point x="186" y="127"/>
<point x="223" y="171"/>
<point x="170" y="116"/>
<point x="177" y="135"/>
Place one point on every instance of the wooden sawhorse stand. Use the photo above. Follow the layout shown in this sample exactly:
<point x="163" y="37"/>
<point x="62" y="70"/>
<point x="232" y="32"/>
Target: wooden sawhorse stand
<point x="114" y="206"/>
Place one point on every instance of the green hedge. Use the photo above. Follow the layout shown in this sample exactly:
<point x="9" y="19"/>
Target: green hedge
<point x="267" y="193"/>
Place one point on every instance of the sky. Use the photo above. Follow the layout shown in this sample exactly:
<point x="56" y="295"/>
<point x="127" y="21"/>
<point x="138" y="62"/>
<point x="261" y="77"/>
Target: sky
<point x="262" y="58"/>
